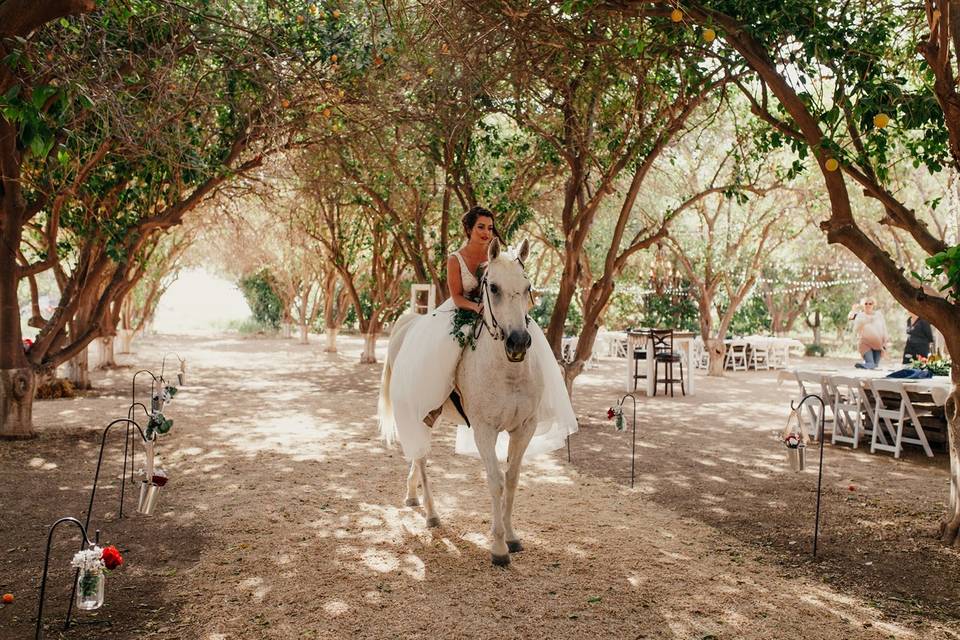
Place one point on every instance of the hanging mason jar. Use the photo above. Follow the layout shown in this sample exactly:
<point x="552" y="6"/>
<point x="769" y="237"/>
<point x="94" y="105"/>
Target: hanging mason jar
<point x="90" y="584"/>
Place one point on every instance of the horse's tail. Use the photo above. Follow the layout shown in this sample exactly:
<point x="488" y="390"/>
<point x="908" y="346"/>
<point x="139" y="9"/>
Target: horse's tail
<point x="388" y="426"/>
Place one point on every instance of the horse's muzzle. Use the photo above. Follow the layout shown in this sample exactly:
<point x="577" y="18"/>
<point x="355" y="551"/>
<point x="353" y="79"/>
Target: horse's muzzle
<point x="516" y="345"/>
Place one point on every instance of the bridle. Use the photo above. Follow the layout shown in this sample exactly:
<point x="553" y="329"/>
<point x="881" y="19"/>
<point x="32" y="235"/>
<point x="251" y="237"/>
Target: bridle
<point x="493" y="327"/>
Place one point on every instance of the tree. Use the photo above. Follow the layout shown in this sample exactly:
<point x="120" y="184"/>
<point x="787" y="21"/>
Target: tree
<point x="113" y="128"/>
<point x="856" y="74"/>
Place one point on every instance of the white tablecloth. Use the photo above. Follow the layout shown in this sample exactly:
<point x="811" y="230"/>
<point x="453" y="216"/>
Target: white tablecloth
<point x="939" y="387"/>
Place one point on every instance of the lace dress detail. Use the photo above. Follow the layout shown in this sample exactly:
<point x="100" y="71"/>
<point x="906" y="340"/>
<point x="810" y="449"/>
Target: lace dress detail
<point x="468" y="279"/>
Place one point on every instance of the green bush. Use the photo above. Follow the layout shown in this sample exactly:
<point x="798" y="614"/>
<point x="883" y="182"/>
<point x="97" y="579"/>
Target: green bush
<point x="814" y="350"/>
<point x="264" y="303"/>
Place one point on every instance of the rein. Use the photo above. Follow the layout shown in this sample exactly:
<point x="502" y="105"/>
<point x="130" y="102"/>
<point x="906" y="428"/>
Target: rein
<point x="485" y="298"/>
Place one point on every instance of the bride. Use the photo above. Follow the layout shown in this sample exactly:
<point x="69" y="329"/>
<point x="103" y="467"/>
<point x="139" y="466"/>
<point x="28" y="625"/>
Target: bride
<point x="423" y="369"/>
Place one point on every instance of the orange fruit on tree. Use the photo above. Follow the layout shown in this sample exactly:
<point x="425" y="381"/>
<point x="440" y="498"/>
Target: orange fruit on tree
<point x="709" y="35"/>
<point x="378" y="61"/>
<point x="327" y="113"/>
<point x="7" y="598"/>
<point x="313" y="9"/>
<point x="430" y="71"/>
<point x="832" y="164"/>
<point x="336" y="14"/>
<point x="299" y="19"/>
<point x="881" y="120"/>
<point x="334" y="58"/>
<point x="285" y="103"/>
<point x="676" y="15"/>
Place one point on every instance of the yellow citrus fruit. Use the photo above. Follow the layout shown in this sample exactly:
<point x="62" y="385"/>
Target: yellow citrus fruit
<point x="430" y="71"/>
<point x="832" y="164"/>
<point x="327" y="113"/>
<point x="7" y="598"/>
<point x="334" y="58"/>
<point x="285" y="103"/>
<point x="336" y="14"/>
<point x="313" y="9"/>
<point x="341" y="93"/>
<point x="709" y="35"/>
<point x="676" y="15"/>
<point x="881" y="120"/>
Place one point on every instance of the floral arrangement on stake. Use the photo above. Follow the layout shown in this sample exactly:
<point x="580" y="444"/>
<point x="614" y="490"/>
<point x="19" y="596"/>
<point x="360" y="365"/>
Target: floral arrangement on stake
<point x="793" y="440"/>
<point x="93" y="564"/>
<point x="616" y="414"/>
<point x="935" y="364"/>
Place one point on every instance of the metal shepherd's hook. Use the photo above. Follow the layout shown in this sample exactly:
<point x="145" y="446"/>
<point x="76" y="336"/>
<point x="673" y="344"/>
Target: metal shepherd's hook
<point x="823" y="417"/>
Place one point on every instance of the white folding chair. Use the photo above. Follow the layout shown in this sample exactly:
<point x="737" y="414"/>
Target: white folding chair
<point x="760" y="356"/>
<point x="849" y="405"/>
<point x="811" y="382"/>
<point x="895" y="412"/>
<point x="701" y="357"/>
<point x="779" y="355"/>
<point x="736" y="357"/>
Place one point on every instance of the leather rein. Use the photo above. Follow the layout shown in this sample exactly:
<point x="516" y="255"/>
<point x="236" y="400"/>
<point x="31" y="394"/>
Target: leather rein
<point x="485" y="299"/>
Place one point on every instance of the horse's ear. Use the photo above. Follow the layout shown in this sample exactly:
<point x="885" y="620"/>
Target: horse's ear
<point x="524" y="251"/>
<point x="493" y="250"/>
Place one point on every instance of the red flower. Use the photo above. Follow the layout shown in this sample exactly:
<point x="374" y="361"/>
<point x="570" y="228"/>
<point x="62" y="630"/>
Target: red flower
<point x="27" y="343"/>
<point x="611" y="413"/>
<point x="111" y="557"/>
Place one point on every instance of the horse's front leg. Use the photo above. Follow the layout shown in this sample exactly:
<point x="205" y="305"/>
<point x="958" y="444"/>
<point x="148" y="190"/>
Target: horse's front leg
<point x="413" y="481"/>
<point x="519" y="439"/>
<point x="486" y="439"/>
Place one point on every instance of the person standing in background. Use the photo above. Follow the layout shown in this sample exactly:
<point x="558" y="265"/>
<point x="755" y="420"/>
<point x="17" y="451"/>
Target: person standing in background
<point x="871" y="330"/>
<point x="919" y="337"/>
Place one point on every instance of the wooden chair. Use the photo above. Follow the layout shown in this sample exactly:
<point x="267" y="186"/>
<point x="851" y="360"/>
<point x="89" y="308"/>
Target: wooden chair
<point x="661" y="341"/>
<point x="760" y="357"/>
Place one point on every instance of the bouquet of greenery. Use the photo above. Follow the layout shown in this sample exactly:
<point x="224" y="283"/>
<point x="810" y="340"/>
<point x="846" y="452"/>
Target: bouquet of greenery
<point x="935" y="364"/>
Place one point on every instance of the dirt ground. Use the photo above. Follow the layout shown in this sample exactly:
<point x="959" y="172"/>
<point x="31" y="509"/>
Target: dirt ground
<point x="284" y="518"/>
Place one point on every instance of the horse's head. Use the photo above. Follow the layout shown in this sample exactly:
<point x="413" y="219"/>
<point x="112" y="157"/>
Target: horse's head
<point x="506" y="299"/>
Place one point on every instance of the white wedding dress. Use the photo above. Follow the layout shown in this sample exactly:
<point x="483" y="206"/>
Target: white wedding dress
<point x="422" y="379"/>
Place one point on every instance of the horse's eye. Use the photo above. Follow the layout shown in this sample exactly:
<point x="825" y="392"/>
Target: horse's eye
<point x="494" y="289"/>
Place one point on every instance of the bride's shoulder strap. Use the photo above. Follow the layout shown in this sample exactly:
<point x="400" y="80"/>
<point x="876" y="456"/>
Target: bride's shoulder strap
<point x="463" y="264"/>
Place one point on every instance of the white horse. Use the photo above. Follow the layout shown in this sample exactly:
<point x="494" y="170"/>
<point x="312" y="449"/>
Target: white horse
<point x="499" y="390"/>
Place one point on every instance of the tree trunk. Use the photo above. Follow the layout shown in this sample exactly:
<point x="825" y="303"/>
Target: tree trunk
<point x="331" y="335"/>
<point x="78" y="370"/>
<point x="369" y="355"/>
<point x="17" y="387"/>
<point x="126" y="339"/>
<point x="717" y="351"/>
<point x="304" y="330"/>
<point x="107" y="359"/>
<point x="950" y="529"/>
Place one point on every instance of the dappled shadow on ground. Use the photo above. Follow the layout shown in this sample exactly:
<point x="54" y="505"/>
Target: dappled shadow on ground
<point x="717" y="457"/>
<point x="284" y="519"/>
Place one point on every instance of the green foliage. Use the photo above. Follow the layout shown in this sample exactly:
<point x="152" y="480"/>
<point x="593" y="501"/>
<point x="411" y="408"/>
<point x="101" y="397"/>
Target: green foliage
<point x="258" y="289"/>
<point x="463" y="327"/>
<point x="158" y="425"/>
<point x="675" y="311"/>
<point x="543" y="310"/>
<point x="751" y="318"/>
<point x="946" y="266"/>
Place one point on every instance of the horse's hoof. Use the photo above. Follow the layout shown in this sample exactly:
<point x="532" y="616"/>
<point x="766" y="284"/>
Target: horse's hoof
<point x="412" y="502"/>
<point x="514" y="546"/>
<point x="433" y="521"/>
<point x="500" y="561"/>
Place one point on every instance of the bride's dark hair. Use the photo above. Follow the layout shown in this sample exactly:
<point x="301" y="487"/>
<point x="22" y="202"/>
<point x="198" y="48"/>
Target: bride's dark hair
<point x="469" y="219"/>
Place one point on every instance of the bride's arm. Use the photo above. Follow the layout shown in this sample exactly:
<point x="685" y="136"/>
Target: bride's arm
<point x="455" y="285"/>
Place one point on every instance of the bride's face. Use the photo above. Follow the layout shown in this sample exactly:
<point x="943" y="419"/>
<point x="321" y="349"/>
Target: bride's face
<point x="482" y="231"/>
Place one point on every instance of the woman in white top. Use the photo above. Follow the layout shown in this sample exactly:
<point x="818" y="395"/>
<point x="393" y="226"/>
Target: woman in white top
<point x="423" y="373"/>
<point x="871" y="330"/>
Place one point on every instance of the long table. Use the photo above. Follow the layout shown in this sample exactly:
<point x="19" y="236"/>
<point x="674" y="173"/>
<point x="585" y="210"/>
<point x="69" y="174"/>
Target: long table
<point x="682" y="341"/>
<point x="938" y="387"/>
